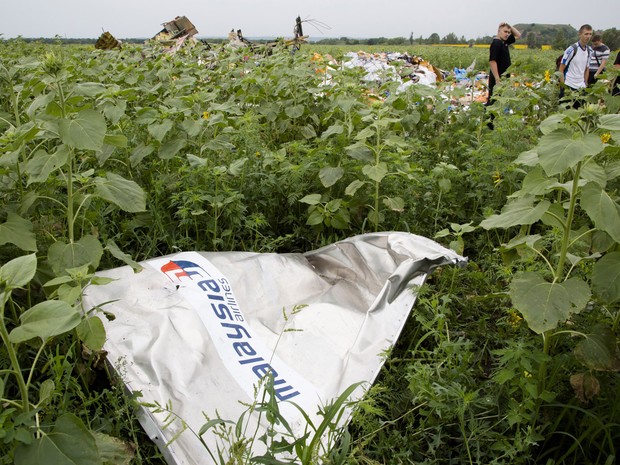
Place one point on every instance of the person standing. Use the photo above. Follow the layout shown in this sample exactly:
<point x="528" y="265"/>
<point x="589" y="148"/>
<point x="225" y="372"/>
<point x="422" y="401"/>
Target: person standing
<point x="616" y="88"/>
<point x="499" y="54"/>
<point x="575" y="65"/>
<point x="598" y="58"/>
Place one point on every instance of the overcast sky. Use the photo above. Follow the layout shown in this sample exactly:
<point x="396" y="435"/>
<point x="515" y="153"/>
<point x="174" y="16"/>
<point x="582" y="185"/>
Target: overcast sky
<point x="276" y="18"/>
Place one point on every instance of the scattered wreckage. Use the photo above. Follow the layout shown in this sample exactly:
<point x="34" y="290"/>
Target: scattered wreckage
<point x="181" y="31"/>
<point x="378" y="68"/>
<point x="172" y="37"/>
<point x="406" y="71"/>
<point x="236" y="39"/>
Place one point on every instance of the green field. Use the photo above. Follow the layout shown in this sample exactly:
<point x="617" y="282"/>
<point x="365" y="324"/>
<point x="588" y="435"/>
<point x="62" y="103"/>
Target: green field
<point x="111" y="158"/>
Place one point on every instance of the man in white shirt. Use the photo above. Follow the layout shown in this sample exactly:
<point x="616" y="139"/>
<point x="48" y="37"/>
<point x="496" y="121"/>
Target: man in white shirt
<point x="575" y="66"/>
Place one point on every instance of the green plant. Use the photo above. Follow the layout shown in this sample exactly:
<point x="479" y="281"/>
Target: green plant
<point x="36" y="439"/>
<point x="325" y="442"/>
<point x="569" y="196"/>
<point x="458" y="245"/>
<point x="565" y="174"/>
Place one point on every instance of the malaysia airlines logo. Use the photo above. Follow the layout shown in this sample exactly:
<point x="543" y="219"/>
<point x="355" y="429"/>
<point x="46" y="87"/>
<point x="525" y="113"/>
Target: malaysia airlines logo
<point x="178" y="270"/>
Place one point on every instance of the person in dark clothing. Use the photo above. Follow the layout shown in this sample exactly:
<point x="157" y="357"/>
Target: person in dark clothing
<point x="499" y="54"/>
<point x="499" y="58"/>
<point x="616" y="89"/>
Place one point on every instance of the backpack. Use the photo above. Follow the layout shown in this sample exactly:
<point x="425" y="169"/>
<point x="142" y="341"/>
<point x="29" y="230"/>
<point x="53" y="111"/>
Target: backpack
<point x="558" y="60"/>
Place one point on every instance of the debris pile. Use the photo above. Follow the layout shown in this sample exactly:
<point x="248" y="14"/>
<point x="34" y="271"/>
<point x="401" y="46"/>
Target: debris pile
<point x="381" y="67"/>
<point x="462" y="86"/>
<point x="475" y="85"/>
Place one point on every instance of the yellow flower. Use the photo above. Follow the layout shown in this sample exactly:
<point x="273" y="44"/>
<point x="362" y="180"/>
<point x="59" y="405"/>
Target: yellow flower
<point x="205" y="115"/>
<point x="497" y="178"/>
<point x="514" y="318"/>
<point x="547" y="76"/>
<point x="605" y="137"/>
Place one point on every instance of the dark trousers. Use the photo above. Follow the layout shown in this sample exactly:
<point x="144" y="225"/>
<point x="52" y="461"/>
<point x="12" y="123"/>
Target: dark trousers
<point x="491" y="100"/>
<point x="568" y="93"/>
<point x="492" y="83"/>
<point x="591" y="78"/>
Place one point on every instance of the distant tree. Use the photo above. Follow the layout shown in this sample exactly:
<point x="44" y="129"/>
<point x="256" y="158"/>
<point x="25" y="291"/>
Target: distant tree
<point x="570" y="35"/>
<point x="611" y="38"/>
<point x="420" y="40"/>
<point x="560" y="42"/>
<point x="397" y="41"/>
<point x="377" y="41"/>
<point x="411" y="39"/>
<point x="548" y="33"/>
<point x="532" y="39"/>
<point x="451" y="38"/>
<point x="434" y="38"/>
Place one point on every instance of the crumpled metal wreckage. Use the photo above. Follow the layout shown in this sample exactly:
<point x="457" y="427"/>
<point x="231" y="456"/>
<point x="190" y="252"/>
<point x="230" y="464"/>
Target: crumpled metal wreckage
<point x="197" y="331"/>
<point x="179" y="27"/>
<point x="176" y="34"/>
<point x="107" y="41"/>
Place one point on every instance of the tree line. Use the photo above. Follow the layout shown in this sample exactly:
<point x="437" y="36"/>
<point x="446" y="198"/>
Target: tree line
<point x="561" y="36"/>
<point x="534" y="35"/>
